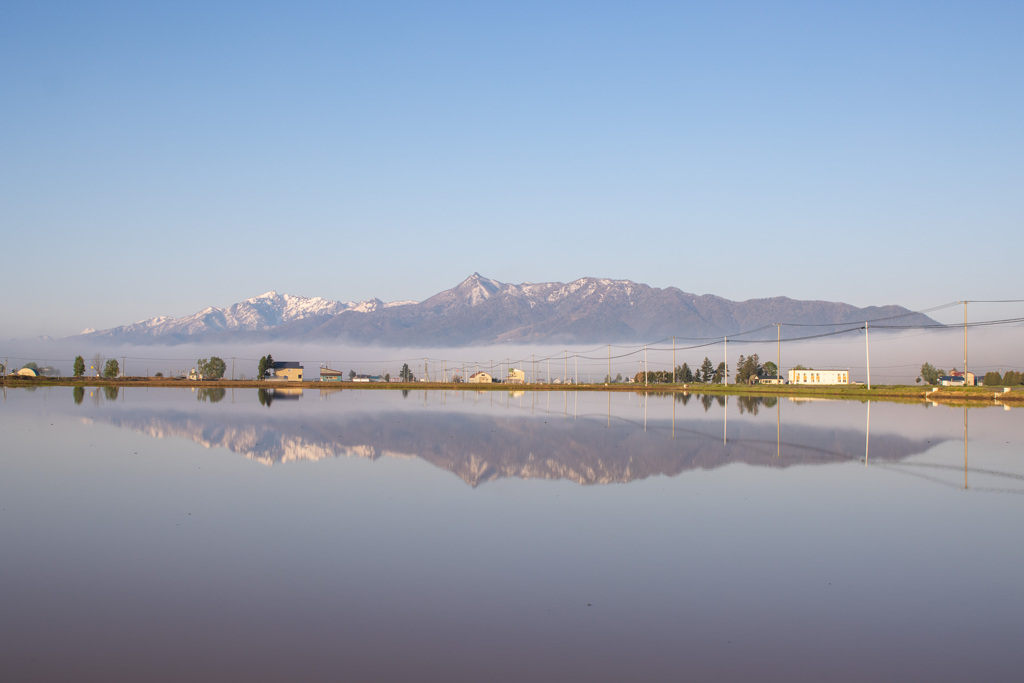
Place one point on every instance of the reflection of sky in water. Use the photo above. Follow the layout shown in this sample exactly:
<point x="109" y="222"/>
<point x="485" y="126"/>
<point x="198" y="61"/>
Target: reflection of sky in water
<point x="133" y="557"/>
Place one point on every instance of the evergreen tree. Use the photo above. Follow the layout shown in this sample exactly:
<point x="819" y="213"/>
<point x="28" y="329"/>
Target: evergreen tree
<point x="406" y="374"/>
<point x="719" y="373"/>
<point x="707" y="370"/>
<point x="685" y="373"/>
<point x="79" y="368"/>
<point x="993" y="379"/>
<point x="111" y="369"/>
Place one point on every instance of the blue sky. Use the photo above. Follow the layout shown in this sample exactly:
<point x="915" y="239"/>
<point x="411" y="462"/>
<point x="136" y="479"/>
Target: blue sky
<point x="162" y="157"/>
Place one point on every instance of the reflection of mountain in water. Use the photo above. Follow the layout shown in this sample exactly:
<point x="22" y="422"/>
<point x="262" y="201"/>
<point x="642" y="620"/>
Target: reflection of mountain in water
<point x="483" y="448"/>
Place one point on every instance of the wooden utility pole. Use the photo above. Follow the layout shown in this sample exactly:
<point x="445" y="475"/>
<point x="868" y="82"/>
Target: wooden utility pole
<point x="867" y="354"/>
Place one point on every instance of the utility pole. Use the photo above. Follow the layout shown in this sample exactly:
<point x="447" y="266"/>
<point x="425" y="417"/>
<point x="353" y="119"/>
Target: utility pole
<point x="778" y="359"/>
<point x="726" y="373"/>
<point x="965" y="343"/>
<point x="673" y="378"/>
<point x="609" y="362"/>
<point x="232" y="367"/>
<point x="867" y="354"/>
<point x="645" y="365"/>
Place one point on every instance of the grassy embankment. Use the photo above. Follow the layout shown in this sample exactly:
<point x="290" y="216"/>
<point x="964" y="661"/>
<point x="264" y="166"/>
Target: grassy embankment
<point x="856" y="392"/>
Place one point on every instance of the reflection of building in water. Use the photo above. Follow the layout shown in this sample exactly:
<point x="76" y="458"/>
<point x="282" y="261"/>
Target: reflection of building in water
<point x="819" y="376"/>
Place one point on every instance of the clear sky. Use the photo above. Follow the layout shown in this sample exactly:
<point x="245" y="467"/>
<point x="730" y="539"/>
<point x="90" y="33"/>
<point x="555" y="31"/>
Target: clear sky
<point x="158" y="158"/>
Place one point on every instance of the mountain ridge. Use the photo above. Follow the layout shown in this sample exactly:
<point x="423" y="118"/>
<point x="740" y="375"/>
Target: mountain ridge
<point x="481" y="310"/>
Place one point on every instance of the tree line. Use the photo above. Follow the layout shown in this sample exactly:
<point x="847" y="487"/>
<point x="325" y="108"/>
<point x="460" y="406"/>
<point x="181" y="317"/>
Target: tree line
<point x="750" y="369"/>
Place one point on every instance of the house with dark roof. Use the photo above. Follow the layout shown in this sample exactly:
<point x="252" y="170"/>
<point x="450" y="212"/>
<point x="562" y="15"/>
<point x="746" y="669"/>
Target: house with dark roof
<point x="286" y="371"/>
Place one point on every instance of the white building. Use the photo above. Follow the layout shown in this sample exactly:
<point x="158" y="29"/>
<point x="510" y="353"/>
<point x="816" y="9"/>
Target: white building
<point x="480" y="378"/>
<point x="818" y="377"/>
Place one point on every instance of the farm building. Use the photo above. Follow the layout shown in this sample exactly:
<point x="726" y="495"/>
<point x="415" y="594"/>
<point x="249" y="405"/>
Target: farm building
<point x="287" y="371"/>
<point x="819" y="376"/>
<point x="328" y="375"/>
<point x="480" y="378"/>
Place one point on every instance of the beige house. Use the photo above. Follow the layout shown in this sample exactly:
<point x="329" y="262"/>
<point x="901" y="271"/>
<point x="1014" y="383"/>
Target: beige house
<point x="819" y="377"/>
<point x="515" y="376"/>
<point x="287" y="371"/>
<point x="480" y="378"/>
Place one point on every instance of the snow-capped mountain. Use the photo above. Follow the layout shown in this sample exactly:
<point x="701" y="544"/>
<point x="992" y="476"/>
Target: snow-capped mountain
<point x="480" y="310"/>
<point x="261" y="313"/>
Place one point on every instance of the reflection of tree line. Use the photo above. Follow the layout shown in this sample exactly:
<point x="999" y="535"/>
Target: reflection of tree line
<point x="97" y="396"/>
<point x="213" y="395"/>
<point x="747" y="404"/>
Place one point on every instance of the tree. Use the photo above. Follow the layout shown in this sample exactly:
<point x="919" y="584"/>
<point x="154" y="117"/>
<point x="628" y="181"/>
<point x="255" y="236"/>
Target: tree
<point x="351" y="375"/>
<point x="931" y="374"/>
<point x="684" y="373"/>
<point x="618" y="376"/>
<point x="707" y="371"/>
<point x="266" y="364"/>
<point x="212" y="368"/>
<point x="79" y="366"/>
<point x="111" y="369"/>
<point x="719" y="374"/>
<point x="97" y="364"/>
<point x="405" y="374"/>
<point x="749" y="369"/>
<point x="770" y="369"/>
<point x="992" y="379"/>
<point x="387" y="376"/>
<point x="801" y="367"/>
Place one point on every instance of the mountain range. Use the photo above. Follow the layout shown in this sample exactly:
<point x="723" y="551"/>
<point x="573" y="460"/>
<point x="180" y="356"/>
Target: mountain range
<point x="480" y="310"/>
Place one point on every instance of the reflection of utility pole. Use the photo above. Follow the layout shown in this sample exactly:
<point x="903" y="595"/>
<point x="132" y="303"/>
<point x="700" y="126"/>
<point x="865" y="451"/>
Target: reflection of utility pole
<point x="965" y="433"/>
<point x="725" y="417"/>
<point x="867" y="436"/>
<point x="778" y="429"/>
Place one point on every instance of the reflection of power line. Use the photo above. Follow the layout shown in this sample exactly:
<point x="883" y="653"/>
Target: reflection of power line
<point x="973" y="470"/>
<point x="900" y="469"/>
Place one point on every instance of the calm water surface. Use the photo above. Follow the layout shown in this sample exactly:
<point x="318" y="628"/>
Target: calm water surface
<point x="166" y="534"/>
